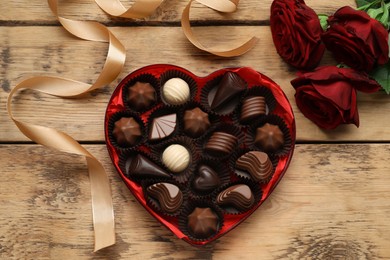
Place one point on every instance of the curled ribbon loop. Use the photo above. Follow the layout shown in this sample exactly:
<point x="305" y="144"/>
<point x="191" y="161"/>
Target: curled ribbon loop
<point x="102" y="206"/>
<point x="140" y="9"/>
<point x="224" y="6"/>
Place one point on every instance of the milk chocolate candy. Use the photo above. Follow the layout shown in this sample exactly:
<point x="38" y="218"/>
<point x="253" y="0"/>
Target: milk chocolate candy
<point x="196" y="122"/>
<point x="269" y="137"/>
<point x="169" y="196"/>
<point x="140" y="166"/>
<point x="203" y="222"/>
<point x="221" y="143"/>
<point x="257" y="164"/>
<point x="141" y="95"/>
<point x="238" y="196"/>
<point x="162" y="127"/>
<point x="230" y="86"/>
<point x="252" y="107"/>
<point x="126" y="131"/>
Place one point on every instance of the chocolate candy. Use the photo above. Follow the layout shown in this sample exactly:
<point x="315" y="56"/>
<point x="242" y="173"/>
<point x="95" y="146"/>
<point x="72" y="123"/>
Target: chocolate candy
<point x="207" y="179"/>
<point x="203" y="222"/>
<point x="257" y="164"/>
<point x="162" y="127"/>
<point x="176" y="91"/>
<point x="221" y="143"/>
<point x="269" y="137"/>
<point x="141" y="95"/>
<point x="237" y="196"/>
<point x="140" y="166"/>
<point x="126" y="131"/>
<point x="230" y="86"/>
<point x="252" y="107"/>
<point x="176" y="157"/>
<point x="168" y="195"/>
<point x="196" y="122"/>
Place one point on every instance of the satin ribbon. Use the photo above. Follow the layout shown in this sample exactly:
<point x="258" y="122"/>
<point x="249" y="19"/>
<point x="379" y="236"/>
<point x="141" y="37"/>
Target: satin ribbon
<point x="102" y="206"/>
<point x="223" y="6"/>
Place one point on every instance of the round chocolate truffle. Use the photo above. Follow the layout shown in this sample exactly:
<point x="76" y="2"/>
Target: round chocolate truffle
<point x="126" y="131"/>
<point x="141" y="95"/>
<point x="196" y="122"/>
<point x="269" y="137"/>
<point x="176" y="91"/>
<point x="176" y="157"/>
<point x="203" y="222"/>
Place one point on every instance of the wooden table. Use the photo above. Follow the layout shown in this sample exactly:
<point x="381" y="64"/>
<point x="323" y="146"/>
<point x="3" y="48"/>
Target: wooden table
<point x="333" y="203"/>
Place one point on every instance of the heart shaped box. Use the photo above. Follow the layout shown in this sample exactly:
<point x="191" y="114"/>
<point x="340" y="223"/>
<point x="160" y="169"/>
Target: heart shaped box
<point x="280" y="108"/>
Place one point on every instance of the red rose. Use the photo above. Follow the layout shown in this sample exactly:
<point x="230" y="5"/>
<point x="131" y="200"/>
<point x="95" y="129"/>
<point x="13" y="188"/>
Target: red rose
<point x="327" y="96"/>
<point x="296" y="32"/>
<point x="356" y="39"/>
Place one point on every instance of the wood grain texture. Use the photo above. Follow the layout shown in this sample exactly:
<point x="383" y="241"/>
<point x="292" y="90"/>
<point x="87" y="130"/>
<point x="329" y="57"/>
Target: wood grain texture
<point x="65" y="56"/>
<point x="249" y="11"/>
<point x="333" y="203"/>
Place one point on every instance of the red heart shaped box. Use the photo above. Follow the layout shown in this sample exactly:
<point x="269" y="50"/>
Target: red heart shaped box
<point x="282" y="109"/>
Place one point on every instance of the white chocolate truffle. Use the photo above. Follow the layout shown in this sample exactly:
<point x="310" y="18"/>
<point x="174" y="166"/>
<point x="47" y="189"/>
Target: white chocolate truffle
<point x="176" y="91"/>
<point x="176" y="157"/>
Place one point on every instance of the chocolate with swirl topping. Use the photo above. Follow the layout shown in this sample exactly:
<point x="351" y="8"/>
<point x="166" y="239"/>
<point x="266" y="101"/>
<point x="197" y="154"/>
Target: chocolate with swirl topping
<point x="257" y="164"/>
<point x="237" y="196"/>
<point x="168" y="195"/>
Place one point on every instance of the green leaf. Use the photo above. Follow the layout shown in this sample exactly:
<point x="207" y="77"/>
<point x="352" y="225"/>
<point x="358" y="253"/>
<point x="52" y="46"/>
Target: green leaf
<point x="323" y="21"/>
<point x="382" y="76"/>
<point x="367" y="4"/>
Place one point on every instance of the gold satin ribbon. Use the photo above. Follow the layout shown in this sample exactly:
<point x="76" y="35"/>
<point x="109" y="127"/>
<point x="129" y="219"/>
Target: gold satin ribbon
<point x="102" y="206"/>
<point x="224" y="6"/>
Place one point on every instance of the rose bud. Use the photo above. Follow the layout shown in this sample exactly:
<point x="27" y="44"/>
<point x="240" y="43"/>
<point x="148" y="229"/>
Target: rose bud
<point x="327" y="96"/>
<point x="296" y="32"/>
<point x="356" y="39"/>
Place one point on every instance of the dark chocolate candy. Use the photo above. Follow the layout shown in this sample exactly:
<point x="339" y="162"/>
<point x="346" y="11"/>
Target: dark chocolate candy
<point x="162" y="127"/>
<point x="196" y="122"/>
<point x="221" y="143"/>
<point x="257" y="164"/>
<point x="141" y="95"/>
<point x="238" y="196"/>
<point x="203" y="222"/>
<point x="230" y="86"/>
<point x="206" y="180"/>
<point x="168" y="195"/>
<point x="269" y="137"/>
<point x="140" y="166"/>
<point x="252" y="107"/>
<point x="126" y="131"/>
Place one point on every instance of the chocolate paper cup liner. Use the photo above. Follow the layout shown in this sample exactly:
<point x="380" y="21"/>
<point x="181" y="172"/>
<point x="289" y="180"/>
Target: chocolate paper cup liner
<point x="274" y="120"/>
<point x="208" y="92"/>
<point x="256" y="91"/>
<point x="155" y="204"/>
<point x="226" y="128"/>
<point x="214" y="120"/>
<point x="244" y="175"/>
<point x="160" y="111"/>
<point x="111" y="123"/>
<point x="146" y="78"/>
<point x="183" y="219"/>
<point x="188" y="143"/>
<point x="123" y="161"/>
<point x="178" y="74"/>
<point x="219" y="168"/>
<point x="228" y="209"/>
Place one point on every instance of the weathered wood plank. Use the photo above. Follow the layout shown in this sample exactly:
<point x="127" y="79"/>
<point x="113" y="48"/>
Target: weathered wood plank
<point x="334" y="203"/>
<point x="38" y="12"/>
<point x="25" y="54"/>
